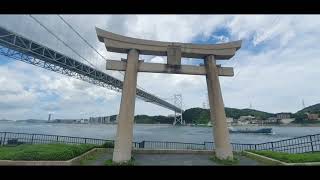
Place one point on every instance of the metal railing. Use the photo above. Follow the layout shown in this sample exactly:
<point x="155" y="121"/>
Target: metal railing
<point x="309" y="143"/>
<point x="11" y="138"/>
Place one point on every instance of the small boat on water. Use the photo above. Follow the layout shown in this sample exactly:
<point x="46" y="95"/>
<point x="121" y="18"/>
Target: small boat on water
<point x="250" y="130"/>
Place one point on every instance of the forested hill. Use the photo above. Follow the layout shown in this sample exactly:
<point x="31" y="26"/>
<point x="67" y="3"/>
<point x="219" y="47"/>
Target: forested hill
<point x="310" y="109"/>
<point x="201" y="116"/>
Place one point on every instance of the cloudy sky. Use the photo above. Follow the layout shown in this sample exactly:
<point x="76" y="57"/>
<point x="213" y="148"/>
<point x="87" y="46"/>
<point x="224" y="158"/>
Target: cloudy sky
<point x="276" y="68"/>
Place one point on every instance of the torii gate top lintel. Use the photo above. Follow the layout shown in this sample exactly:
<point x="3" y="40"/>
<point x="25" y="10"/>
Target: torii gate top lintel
<point x="122" y="44"/>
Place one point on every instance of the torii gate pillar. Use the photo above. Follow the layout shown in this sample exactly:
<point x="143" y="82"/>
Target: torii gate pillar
<point x="123" y="142"/>
<point x="223" y="148"/>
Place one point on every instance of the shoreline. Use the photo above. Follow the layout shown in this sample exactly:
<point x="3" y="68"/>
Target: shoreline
<point x="234" y="125"/>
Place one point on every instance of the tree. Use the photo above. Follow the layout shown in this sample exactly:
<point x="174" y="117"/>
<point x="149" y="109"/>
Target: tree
<point x="300" y="117"/>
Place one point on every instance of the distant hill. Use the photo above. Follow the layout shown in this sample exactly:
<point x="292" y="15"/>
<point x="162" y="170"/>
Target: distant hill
<point x="202" y="116"/>
<point x="5" y="120"/>
<point x="145" y="119"/>
<point x="310" y="109"/>
<point x="236" y="113"/>
<point x="196" y="116"/>
<point x="32" y="121"/>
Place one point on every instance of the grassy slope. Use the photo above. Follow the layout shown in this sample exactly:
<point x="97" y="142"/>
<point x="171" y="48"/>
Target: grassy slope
<point x="291" y="158"/>
<point x="43" y="151"/>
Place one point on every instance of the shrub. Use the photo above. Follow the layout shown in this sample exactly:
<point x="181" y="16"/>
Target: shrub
<point x="109" y="144"/>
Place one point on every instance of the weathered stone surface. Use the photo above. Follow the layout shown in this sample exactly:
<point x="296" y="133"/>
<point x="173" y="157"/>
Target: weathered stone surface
<point x="166" y="68"/>
<point x="122" y="44"/>
<point x="123" y="143"/>
<point x="223" y="147"/>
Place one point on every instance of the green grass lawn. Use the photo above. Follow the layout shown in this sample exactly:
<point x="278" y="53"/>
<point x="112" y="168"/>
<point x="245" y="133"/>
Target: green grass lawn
<point x="34" y="152"/>
<point x="291" y="158"/>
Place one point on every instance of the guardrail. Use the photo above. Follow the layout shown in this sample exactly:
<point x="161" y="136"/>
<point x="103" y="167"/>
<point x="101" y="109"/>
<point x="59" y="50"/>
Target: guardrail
<point x="11" y="138"/>
<point x="309" y="143"/>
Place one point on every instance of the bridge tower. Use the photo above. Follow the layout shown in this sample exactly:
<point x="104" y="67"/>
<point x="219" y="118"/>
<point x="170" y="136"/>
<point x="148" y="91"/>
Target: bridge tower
<point x="178" y="118"/>
<point x="49" y="118"/>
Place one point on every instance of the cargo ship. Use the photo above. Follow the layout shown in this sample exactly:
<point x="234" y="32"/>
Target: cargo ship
<point x="250" y="130"/>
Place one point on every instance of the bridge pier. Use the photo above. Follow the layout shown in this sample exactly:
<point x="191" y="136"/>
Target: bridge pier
<point x="123" y="142"/>
<point x="223" y="147"/>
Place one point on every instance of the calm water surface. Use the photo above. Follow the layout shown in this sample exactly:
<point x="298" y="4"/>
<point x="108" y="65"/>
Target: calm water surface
<point x="154" y="132"/>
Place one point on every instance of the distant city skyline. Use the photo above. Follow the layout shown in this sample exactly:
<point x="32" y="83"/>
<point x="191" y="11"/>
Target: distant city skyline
<point x="275" y="69"/>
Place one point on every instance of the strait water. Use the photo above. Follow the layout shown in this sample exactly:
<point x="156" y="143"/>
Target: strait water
<point x="153" y="132"/>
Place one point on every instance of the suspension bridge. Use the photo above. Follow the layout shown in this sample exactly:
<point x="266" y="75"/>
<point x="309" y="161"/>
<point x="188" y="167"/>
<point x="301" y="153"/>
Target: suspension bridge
<point x="18" y="47"/>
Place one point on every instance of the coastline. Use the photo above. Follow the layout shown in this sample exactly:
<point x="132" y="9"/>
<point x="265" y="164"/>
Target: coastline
<point x="157" y="124"/>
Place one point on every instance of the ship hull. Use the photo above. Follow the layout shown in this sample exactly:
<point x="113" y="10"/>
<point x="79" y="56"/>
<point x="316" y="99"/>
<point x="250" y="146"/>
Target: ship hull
<point x="262" y="130"/>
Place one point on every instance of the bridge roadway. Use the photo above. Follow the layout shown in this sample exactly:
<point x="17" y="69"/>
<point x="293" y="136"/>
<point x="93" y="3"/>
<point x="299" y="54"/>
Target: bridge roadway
<point x="20" y="48"/>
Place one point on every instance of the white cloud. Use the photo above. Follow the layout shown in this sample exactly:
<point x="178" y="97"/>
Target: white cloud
<point x="275" y="74"/>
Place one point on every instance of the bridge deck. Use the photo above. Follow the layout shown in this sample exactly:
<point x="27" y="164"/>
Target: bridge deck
<point x="23" y="49"/>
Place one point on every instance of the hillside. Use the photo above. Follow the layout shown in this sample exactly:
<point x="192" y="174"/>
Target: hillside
<point x="202" y="116"/>
<point x="31" y="121"/>
<point x="236" y="113"/>
<point x="310" y="109"/>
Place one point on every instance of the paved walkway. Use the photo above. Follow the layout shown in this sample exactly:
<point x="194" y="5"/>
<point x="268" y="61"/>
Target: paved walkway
<point x="171" y="160"/>
<point x="184" y="160"/>
<point x="99" y="159"/>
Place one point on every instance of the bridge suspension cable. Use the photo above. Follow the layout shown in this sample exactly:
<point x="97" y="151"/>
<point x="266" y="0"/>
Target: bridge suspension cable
<point x="41" y="24"/>
<point x="79" y="35"/>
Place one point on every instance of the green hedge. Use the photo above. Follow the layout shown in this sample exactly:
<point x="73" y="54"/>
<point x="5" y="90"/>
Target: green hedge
<point x="109" y="144"/>
<point x="39" y="152"/>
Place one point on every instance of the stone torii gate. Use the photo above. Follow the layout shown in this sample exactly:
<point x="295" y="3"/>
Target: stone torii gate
<point x="174" y="51"/>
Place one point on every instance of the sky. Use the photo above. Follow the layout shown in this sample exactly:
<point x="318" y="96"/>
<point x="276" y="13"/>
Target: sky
<point x="275" y="69"/>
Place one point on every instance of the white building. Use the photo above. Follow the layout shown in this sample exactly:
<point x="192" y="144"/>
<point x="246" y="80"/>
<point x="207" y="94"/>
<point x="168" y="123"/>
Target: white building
<point x="100" y="120"/>
<point x="286" y="121"/>
<point x="229" y="120"/>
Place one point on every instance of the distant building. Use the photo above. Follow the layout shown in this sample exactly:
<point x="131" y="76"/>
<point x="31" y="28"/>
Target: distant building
<point x="313" y="116"/>
<point x="283" y="115"/>
<point x="271" y="120"/>
<point x="229" y="120"/>
<point x="286" y="121"/>
<point x="99" y="120"/>
<point x="246" y="118"/>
